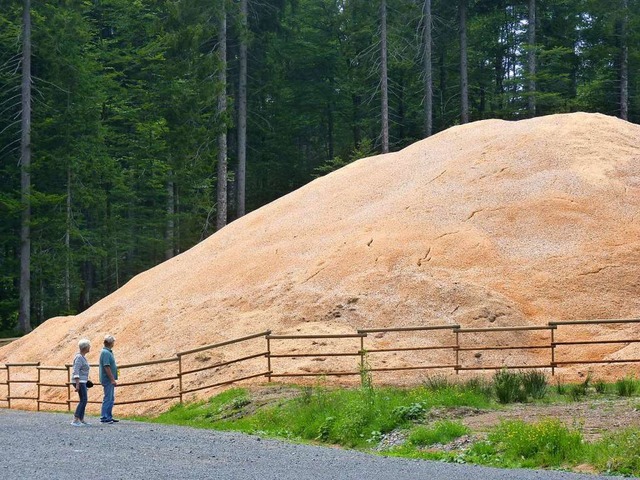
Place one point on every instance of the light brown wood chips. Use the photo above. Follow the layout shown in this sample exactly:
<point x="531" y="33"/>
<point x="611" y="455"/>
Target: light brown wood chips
<point x="493" y="223"/>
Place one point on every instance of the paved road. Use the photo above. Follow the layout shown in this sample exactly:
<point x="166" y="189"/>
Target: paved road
<point x="45" y="446"/>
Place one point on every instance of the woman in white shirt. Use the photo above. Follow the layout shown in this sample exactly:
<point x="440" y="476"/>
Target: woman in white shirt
<point x="79" y="377"/>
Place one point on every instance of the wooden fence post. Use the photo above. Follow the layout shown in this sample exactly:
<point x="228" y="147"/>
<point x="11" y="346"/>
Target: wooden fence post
<point x="553" y="350"/>
<point x="268" y="356"/>
<point x="457" y="367"/>
<point x="9" y="386"/>
<point x="38" y="384"/>
<point x="180" y="375"/>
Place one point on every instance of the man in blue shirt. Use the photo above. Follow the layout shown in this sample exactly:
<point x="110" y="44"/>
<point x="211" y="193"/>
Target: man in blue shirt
<point x="108" y="379"/>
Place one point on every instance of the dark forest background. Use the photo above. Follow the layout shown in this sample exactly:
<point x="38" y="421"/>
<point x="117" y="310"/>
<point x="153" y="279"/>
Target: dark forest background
<point x="130" y="130"/>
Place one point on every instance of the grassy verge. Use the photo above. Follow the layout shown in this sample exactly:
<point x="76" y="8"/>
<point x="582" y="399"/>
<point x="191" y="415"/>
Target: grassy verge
<point x="366" y="417"/>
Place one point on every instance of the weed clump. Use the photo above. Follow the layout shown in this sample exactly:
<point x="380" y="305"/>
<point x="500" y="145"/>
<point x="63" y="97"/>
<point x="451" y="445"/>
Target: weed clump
<point x="508" y="387"/>
<point x="627" y="387"/>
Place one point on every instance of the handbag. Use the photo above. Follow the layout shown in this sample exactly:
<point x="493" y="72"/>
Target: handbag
<point x="89" y="384"/>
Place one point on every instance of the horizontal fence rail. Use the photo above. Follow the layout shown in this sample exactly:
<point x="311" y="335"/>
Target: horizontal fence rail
<point x="183" y="371"/>
<point x="498" y="348"/>
<point x="557" y="327"/>
<point x="283" y="339"/>
<point x="373" y="351"/>
<point x="448" y="347"/>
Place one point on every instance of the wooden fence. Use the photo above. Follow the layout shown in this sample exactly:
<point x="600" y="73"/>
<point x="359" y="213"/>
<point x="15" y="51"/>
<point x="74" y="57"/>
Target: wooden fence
<point x="373" y="350"/>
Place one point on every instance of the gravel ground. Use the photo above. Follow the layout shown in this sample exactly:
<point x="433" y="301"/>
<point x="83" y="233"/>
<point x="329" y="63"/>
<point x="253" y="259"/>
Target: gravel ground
<point x="45" y="446"/>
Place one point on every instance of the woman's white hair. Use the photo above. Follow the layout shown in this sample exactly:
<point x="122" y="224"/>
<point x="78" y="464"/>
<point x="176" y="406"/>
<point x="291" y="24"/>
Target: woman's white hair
<point x="109" y="340"/>
<point x="84" y="344"/>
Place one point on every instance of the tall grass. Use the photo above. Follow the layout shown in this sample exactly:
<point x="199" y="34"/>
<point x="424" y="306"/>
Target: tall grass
<point x="627" y="386"/>
<point x="534" y="383"/>
<point x="441" y="432"/>
<point x="508" y="386"/>
<point x="515" y="443"/>
<point x="617" y="452"/>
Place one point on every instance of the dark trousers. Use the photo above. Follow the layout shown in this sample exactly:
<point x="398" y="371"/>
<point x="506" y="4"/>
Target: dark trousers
<point x="84" y="398"/>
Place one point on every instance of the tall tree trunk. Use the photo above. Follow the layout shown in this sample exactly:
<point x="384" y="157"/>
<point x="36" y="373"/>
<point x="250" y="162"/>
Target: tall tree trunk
<point x="464" y="79"/>
<point x="355" y="124"/>
<point x="428" y="69"/>
<point x="532" y="58"/>
<point x="242" y="113"/>
<point x="384" y="77"/>
<point x="24" y="315"/>
<point x="88" y="277"/>
<point x="442" y="82"/>
<point x="221" y="219"/>
<point x="624" y="62"/>
<point x="170" y="227"/>
<point x="67" y="246"/>
<point x="330" y="139"/>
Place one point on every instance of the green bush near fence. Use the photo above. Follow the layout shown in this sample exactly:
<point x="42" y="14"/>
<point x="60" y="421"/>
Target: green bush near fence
<point x="510" y="386"/>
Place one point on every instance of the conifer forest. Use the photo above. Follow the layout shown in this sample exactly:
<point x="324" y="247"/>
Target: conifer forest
<point x="130" y="130"/>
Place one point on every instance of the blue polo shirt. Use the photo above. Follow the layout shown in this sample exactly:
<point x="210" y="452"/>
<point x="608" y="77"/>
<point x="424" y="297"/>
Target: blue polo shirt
<point x="107" y="358"/>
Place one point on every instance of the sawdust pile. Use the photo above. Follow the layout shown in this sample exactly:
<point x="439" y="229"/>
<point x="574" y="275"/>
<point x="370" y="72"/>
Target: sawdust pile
<point x="492" y="223"/>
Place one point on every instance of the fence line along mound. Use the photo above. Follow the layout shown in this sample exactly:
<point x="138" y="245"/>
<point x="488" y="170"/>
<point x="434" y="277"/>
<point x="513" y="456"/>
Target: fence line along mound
<point x="377" y="353"/>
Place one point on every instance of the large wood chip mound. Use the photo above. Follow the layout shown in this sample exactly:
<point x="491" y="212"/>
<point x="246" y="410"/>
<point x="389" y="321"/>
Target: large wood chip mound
<point x="488" y="224"/>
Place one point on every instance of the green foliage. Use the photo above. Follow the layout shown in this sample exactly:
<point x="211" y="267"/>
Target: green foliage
<point x="545" y="444"/>
<point x="534" y="383"/>
<point x="578" y="391"/>
<point x="347" y="417"/>
<point x="440" y="432"/>
<point x="600" y="386"/>
<point x="512" y="387"/>
<point x="436" y="383"/>
<point x="365" y="149"/>
<point x="617" y="452"/>
<point x="124" y="127"/>
<point x="412" y="412"/>
<point x="627" y="387"/>
<point x="508" y="386"/>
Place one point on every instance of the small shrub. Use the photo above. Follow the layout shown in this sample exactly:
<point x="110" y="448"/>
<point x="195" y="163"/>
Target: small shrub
<point x="627" y="386"/>
<point x="412" y="412"/>
<point x="580" y="390"/>
<point x="561" y="388"/>
<point x="325" y="429"/>
<point x="478" y="385"/>
<point x="534" y="383"/>
<point x="239" y="402"/>
<point x="577" y="391"/>
<point x="600" y="386"/>
<point x="366" y="379"/>
<point x="436" y="383"/>
<point x="441" y="432"/>
<point x="508" y="386"/>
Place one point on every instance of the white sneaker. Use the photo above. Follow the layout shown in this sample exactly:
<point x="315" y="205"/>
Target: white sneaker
<point x="76" y="423"/>
<point x="85" y="424"/>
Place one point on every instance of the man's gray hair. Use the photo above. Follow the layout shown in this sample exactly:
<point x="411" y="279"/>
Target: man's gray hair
<point x="84" y="344"/>
<point x="109" y="340"/>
